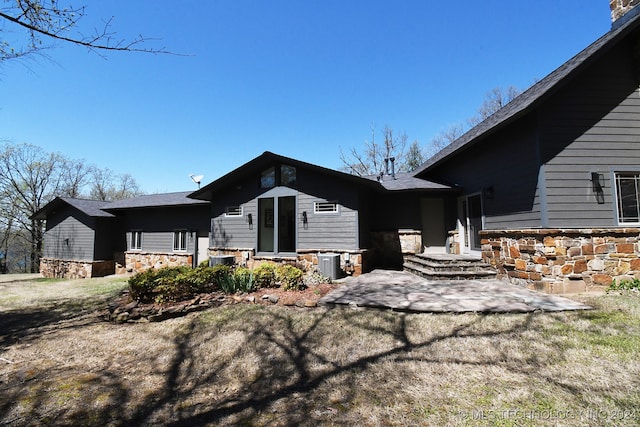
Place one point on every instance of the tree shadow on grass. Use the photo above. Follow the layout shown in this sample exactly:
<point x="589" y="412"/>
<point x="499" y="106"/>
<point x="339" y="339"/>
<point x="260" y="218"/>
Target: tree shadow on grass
<point x="280" y="372"/>
<point x="28" y="324"/>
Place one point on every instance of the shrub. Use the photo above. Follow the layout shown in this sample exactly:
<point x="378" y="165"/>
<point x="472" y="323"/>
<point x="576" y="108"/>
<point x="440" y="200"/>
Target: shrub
<point x="172" y="292"/>
<point x="625" y="285"/>
<point x="142" y="285"/>
<point x="289" y="277"/>
<point x="244" y="279"/>
<point x="264" y="276"/>
<point x="204" y="279"/>
<point x="238" y="280"/>
<point x="170" y="284"/>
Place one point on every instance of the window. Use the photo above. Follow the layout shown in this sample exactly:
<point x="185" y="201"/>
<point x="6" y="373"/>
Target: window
<point x="628" y="195"/>
<point x="325" y="207"/>
<point x="288" y="175"/>
<point x="268" y="178"/>
<point x="180" y="240"/>
<point x="284" y="175"/>
<point x="233" y="211"/>
<point x="136" y="240"/>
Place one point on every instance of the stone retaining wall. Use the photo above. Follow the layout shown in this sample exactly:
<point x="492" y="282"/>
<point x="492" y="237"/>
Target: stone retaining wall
<point x="134" y="262"/>
<point x="564" y="260"/>
<point x="72" y="269"/>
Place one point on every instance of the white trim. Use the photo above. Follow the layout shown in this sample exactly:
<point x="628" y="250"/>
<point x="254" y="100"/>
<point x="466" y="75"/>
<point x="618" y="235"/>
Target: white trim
<point x="176" y="247"/>
<point x="139" y="247"/>
<point x="234" y="212"/>
<point x="335" y="207"/>
<point x="616" y="200"/>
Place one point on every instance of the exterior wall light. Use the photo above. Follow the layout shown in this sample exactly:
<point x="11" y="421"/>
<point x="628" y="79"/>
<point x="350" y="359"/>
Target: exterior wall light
<point x="597" y="180"/>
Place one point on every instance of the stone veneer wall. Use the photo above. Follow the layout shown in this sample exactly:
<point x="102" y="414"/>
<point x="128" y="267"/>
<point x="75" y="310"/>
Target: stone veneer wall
<point x="134" y="262"/>
<point x="71" y="269"/>
<point x="352" y="263"/>
<point x="564" y="260"/>
<point x="620" y="7"/>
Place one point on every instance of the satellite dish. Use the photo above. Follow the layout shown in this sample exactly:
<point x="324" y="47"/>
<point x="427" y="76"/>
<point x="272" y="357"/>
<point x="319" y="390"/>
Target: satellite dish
<point x="196" y="178"/>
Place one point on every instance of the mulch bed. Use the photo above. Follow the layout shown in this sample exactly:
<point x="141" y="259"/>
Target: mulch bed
<point x="122" y="309"/>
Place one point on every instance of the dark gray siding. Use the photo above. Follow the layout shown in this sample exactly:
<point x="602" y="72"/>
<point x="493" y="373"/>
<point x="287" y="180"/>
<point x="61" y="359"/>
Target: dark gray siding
<point x="68" y="238"/>
<point x="235" y="232"/>
<point x="322" y="231"/>
<point x="507" y="163"/>
<point x="592" y="125"/>
<point x="158" y="224"/>
<point x="327" y="230"/>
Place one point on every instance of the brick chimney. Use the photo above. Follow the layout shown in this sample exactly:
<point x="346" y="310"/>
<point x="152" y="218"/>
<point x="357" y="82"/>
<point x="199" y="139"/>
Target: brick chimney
<point x="620" y="7"/>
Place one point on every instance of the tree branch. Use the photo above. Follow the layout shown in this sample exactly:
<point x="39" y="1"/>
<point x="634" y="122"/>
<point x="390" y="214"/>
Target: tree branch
<point x="89" y="43"/>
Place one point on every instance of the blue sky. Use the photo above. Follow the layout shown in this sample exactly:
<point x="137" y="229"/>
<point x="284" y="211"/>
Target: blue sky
<point x="300" y="78"/>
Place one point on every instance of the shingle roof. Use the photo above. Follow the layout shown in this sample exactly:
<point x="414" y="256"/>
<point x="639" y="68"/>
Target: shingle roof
<point x="267" y="159"/>
<point x="92" y="208"/>
<point x="155" y="200"/>
<point x="404" y="181"/>
<point x="537" y="93"/>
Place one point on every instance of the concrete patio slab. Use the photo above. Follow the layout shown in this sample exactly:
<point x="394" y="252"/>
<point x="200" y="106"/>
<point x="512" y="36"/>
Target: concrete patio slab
<point x="399" y="290"/>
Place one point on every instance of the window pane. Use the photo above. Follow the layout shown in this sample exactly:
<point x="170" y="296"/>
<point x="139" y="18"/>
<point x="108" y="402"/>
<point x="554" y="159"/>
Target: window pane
<point x="179" y="240"/>
<point x="136" y="240"/>
<point x="268" y="178"/>
<point x="288" y="175"/>
<point x="628" y="209"/>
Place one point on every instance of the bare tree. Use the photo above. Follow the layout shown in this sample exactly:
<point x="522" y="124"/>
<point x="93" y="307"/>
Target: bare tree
<point x="44" y="21"/>
<point x="371" y="161"/>
<point x="414" y="157"/>
<point x="108" y="186"/>
<point x="75" y="176"/>
<point x="29" y="178"/>
<point x="494" y="100"/>
<point x="445" y="137"/>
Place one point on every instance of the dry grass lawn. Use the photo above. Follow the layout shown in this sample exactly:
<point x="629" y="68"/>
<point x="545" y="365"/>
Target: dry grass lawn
<point x="279" y="366"/>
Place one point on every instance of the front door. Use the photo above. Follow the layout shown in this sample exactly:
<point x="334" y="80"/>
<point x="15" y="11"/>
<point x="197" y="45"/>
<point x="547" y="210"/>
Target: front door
<point x="277" y="224"/>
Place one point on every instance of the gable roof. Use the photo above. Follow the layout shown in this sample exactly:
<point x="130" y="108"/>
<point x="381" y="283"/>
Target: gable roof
<point x="155" y="201"/>
<point x="536" y="94"/>
<point x="92" y="208"/>
<point x="268" y="158"/>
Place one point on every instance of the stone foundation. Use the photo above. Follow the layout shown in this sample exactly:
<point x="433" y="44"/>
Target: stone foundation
<point x="564" y="260"/>
<point x="135" y="262"/>
<point x="352" y="263"/>
<point x="71" y="269"/>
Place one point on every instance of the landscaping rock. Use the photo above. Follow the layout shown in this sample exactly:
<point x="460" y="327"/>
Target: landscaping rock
<point x="274" y="299"/>
<point x="289" y="300"/>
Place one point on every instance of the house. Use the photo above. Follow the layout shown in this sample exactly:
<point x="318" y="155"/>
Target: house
<point x="550" y="182"/>
<point x="89" y="238"/>
<point x="79" y="240"/>
<point x="547" y="190"/>
<point x="162" y="230"/>
<point x="277" y="208"/>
